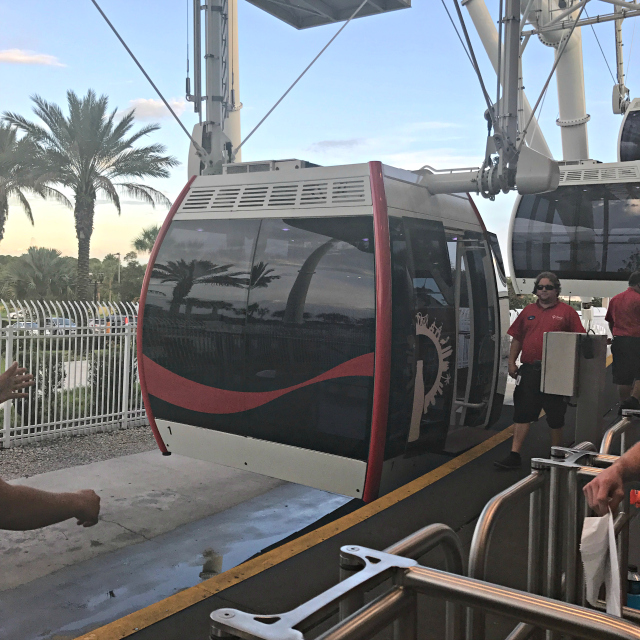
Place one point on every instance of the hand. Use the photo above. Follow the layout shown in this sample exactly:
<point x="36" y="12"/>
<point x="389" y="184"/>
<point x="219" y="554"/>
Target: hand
<point x="605" y="491"/>
<point x="513" y="370"/>
<point x="12" y="381"/>
<point x="88" y="507"/>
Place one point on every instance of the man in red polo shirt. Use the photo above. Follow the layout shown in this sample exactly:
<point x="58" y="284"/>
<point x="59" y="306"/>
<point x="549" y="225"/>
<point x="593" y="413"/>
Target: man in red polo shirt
<point x="527" y="332"/>
<point x="623" y="316"/>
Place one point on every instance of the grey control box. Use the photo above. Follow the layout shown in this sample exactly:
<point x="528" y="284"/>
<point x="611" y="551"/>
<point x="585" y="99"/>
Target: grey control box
<point x="560" y="360"/>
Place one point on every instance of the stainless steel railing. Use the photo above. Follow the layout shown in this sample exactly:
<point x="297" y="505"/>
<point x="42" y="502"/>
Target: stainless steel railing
<point x="398" y="606"/>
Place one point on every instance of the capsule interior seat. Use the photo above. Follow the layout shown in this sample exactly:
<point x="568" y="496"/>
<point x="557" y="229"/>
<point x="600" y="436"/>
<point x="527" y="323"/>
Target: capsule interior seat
<point x="337" y="327"/>
<point x="587" y="231"/>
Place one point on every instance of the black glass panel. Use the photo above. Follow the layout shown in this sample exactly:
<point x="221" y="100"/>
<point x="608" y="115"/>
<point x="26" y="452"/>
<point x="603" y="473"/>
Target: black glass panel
<point x="196" y="302"/>
<point x="433" y="332"/>
<point x="484" y="329"/>
<point x="497" y="253"/>
<point x="311" y="308"/>
<point x="579" y="233"/>
<point x="255" y="306"/>
<point x="630" y="139"/>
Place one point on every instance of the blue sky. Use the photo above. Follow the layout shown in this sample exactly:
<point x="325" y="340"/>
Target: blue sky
<point x="395" y="87"/>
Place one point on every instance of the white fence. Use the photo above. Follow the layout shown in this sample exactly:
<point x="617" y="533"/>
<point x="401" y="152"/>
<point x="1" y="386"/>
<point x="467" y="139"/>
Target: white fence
<point x="83" y="358"/>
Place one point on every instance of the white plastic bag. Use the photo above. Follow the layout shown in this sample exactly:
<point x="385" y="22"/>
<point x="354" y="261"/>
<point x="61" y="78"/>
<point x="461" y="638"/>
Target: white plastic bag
<point x="600" y="560"/>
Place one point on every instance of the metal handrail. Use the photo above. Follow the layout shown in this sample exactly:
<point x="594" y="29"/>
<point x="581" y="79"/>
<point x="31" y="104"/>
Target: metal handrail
<point x="479" y="552"/>
<point x="415" y="546"/>
<point x="620" y="427"/>
<point x="539" y="611"/>
<point x="399" y="606"/>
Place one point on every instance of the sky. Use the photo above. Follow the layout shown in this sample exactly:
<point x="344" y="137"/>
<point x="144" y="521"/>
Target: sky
<point x="395" y="87"/>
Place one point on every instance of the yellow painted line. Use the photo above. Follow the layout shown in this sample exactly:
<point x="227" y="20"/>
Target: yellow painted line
<point x="127" y="626"/>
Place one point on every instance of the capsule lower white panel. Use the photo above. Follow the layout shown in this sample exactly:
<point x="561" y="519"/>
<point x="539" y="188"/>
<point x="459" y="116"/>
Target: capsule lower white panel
<point x="303" y="466"/>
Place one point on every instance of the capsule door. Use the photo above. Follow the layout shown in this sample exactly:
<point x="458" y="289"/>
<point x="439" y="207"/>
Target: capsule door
<point x="478" y="347"/>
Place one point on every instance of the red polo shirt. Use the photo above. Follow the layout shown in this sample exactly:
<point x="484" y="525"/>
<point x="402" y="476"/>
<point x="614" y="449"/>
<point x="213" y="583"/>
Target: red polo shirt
<point x="534" y="321"/>
<point x="624" y="312"/>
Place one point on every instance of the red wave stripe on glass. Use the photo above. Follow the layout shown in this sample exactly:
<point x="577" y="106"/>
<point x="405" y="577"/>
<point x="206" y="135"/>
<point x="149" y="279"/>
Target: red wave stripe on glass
<point x="179" y="391"/>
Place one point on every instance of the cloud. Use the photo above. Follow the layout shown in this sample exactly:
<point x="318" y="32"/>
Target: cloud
<point x="330" y="145"/>
<point x="154" y="109"/>
<point x="21" y="56"/>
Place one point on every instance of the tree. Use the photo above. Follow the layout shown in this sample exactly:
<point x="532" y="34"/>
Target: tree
<point x="39" y="274"/>
<point x="16" y="175"/>
<point x="518" y="301"/>
<point x="144" y="242"/>
<point x="90" y="152"/>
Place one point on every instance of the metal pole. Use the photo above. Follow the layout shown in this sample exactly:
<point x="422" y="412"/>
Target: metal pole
<point x="8" y="361"/>
<point x="571" y="536"/>
<point x="355" y="599"/>
<point x="534" y="577"/>
<point x="126" y="372"/>
<point x="197" y="58"/>
<point x="552" y="539"/>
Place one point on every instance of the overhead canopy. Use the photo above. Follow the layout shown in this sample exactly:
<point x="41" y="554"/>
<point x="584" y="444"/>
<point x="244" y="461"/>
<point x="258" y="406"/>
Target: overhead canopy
<point x="303" y="14"/>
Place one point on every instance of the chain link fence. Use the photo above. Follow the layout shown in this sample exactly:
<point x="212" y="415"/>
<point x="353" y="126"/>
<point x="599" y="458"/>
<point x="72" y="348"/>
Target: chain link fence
<point x="83" y="358"/>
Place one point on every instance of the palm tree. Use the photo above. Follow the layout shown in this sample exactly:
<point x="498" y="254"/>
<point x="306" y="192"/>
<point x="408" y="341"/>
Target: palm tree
<point x="39" y="274"/>
<point x="16" y="177"/>
<point x="260" y="276"/>
<point x="90" y="152"/>
<point x="188" y="274"/>
<point x="144" y="242"/>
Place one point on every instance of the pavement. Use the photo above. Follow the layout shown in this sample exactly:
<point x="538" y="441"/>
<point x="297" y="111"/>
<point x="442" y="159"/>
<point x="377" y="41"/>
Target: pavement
<point x="142" y="496"/>
<point x="166" y="523"/>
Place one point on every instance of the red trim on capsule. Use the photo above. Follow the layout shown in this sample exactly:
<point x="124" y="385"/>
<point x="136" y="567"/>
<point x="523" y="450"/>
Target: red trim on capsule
<point x="382" y="373"/>
<point x="143" y="298"/>
<point x="194" y="396"/>
<point x="475" y="210"/>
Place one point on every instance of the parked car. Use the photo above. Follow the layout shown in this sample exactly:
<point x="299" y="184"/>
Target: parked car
<point x="27" y="328"/>
<point x="59" y="327"/>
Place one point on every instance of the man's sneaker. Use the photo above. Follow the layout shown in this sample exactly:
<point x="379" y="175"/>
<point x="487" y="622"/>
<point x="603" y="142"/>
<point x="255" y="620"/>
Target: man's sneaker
<point x="512" y="461"/>
<point x="629" y="403"/>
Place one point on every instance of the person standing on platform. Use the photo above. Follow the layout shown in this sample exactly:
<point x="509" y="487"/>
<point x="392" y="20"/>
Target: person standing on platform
<point x="623" y="316"/>
<point x="527" y="332"/>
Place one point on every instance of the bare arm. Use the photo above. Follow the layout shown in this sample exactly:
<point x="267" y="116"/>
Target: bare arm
<point x="607" y="488"/>
<point x="514" y="352"/>
<point x="611" y="327"/>
<point x="23" y="508"/>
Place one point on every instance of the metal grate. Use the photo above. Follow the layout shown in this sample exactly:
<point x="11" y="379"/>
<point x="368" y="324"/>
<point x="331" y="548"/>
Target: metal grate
<point x="348" y="191"/>
<point x="198" y="199"/>
<point x="345" y="191"/>
<point x="599" y="174"/>
<point x="225" y="198"/>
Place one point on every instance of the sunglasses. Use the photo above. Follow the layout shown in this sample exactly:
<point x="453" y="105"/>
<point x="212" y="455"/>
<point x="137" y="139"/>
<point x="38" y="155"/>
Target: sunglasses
<point x="546" y="287"/>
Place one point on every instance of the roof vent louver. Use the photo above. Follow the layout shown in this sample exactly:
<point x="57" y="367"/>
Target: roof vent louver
<point x="314" y="193"/>
<point x="253" y="197"/>
<point x="348" y="191"/>
<point x="283" y="195"/>
<point x="198" y="199"/>
<point x="600" y="174"/>
<point x="225" y="198"/>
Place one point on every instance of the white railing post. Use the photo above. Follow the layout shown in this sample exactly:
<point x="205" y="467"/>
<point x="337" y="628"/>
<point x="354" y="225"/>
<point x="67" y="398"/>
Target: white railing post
<point x="6" y="427"/>
<point x="126" y="383"/>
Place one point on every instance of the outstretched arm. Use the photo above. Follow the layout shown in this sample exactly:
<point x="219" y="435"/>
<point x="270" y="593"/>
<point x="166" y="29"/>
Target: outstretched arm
<point x="23" y="508"/>
<point x="607" y="488"/>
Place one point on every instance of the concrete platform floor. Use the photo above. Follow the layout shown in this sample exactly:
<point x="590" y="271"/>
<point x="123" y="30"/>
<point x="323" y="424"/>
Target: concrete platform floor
<point x="142" y="496"/>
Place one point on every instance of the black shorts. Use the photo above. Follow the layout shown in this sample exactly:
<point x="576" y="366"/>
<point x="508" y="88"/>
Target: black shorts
<point x="626" y="359"/>
<point x="528" y="400"/>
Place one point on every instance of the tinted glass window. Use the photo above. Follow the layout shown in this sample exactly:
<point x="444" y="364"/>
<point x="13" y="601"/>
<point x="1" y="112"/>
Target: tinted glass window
<point x="630" y="139"/>
<point x="579" y="233"/>
<point x="196" y="302"/>
<point x="311" y="308"/>
<point x="433" y="332"/>
<point x="259" y="306"/>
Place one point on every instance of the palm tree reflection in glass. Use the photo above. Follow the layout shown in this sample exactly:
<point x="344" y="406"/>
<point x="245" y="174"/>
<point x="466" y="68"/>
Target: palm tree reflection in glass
<point x="187" y="275"/>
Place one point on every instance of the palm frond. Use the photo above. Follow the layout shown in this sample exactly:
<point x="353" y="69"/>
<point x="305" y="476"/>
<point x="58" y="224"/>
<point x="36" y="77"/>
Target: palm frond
<point x="145" y="193"/>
